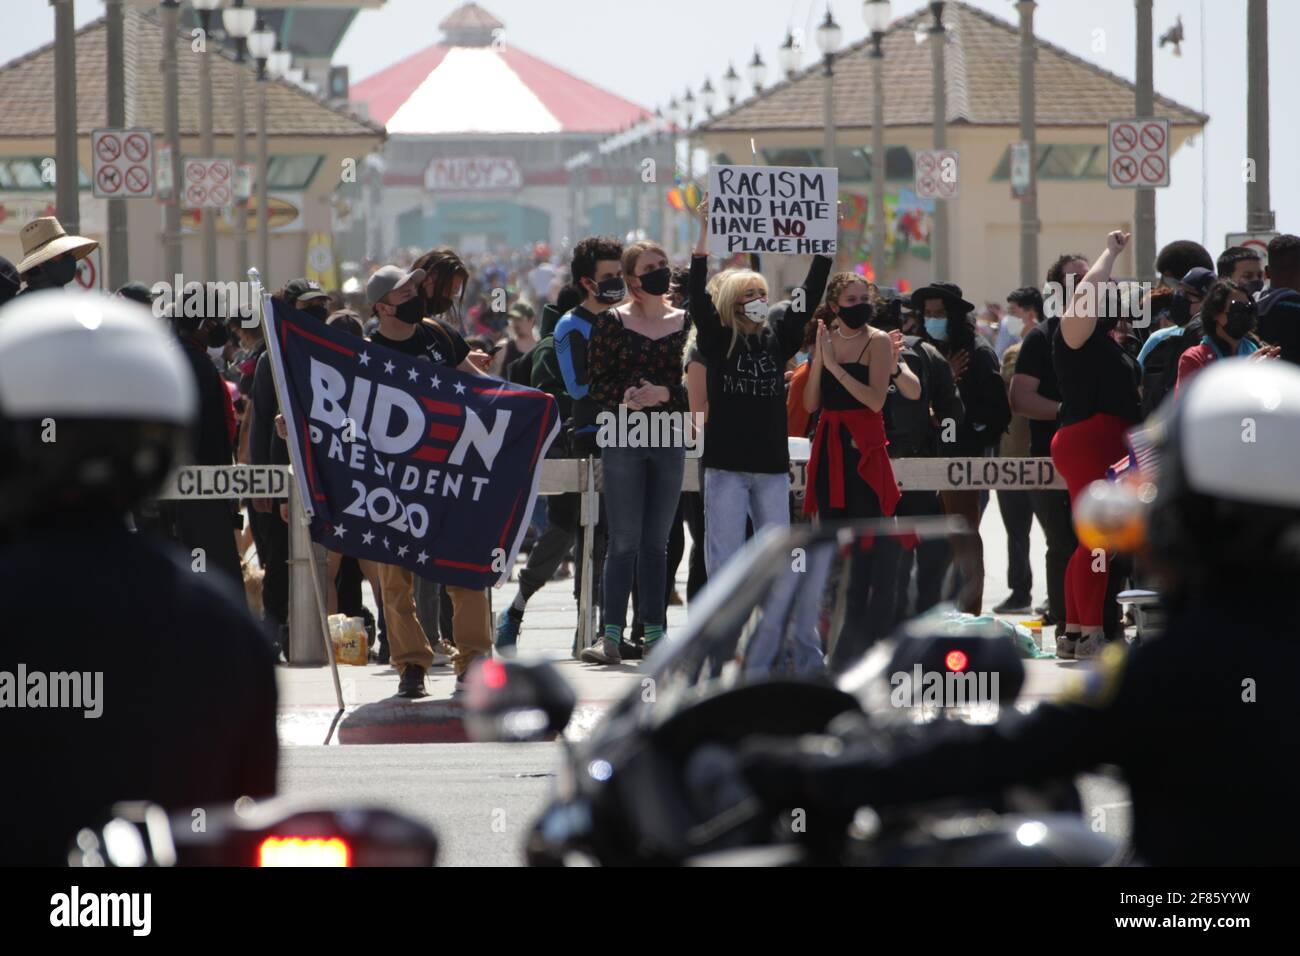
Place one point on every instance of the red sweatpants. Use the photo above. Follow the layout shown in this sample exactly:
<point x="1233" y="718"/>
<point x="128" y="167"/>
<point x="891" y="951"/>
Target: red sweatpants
<point x="1082" y="452"/>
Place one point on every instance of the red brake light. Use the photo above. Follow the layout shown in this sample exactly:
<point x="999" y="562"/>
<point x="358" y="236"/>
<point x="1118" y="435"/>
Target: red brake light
<point x="956" y="660"/>
<point x="281" y="851"/>
<point x="494" y="674"/>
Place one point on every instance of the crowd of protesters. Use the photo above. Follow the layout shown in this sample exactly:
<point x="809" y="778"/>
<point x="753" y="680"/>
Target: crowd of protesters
<point x="867" y="374"/>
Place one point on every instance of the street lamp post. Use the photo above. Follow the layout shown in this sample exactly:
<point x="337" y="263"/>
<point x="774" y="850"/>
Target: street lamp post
<point x="757" y="71"/>
<point x="66" y="183"/>
<point x="205" y="8"/>
<point x="1259" y="208"/>
<point x="876" y="13"/>
<point x="1028" y="204"/>
<point x="708" y="96"/>
<point x="1144" y="200"/>
<point x="791" y="53"/>
<point x="688" y="111"/>
<point x="119" y="268"/>
<point x="238" y="21"/>
<point x="171" y="13"/>
<point x="938" y="37"/>
<point x="829" y="35"/>
<point x="731" y="84"/>
<point x="261" y="44"/>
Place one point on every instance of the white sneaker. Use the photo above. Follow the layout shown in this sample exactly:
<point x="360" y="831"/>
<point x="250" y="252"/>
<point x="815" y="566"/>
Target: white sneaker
<point x="1090" y="647"/>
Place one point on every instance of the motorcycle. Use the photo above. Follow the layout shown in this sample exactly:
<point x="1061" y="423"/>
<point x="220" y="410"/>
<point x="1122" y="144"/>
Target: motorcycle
<point x="659" y="782"/>
<point x="272" y="834"/>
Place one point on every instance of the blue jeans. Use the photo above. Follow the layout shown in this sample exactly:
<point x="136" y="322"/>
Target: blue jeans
<point x="730" y="497"/>
<point x="642" y="486"/>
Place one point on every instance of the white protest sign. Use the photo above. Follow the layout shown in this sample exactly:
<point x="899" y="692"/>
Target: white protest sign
<point x="785" y="209"/>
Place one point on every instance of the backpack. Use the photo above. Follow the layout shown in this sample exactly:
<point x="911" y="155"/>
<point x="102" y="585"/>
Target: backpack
<point x="1160" y="371"/>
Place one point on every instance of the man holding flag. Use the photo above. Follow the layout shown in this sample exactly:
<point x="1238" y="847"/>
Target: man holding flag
<point x="409" y="456"/>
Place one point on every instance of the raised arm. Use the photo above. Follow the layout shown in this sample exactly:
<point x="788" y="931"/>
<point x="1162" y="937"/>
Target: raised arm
<point x="1080" y="317"/>
<point x="803" y="304"/>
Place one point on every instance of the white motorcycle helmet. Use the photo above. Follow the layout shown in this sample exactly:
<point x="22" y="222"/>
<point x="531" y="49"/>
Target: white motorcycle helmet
<point x="97" y="402"/>
<point x="1225" y="463"/>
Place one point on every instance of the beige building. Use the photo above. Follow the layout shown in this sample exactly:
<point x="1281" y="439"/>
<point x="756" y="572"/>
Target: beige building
<point x="1074" y="102"/>
<point x="309" y="141"/>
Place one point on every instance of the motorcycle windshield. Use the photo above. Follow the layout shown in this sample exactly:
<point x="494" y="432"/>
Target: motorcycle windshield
<point x="799" y="603"/>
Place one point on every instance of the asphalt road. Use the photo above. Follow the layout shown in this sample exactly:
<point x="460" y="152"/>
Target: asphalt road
<point x="481" y="798"/>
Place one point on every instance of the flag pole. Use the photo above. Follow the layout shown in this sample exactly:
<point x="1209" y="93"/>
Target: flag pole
<point x="302" y="514"/>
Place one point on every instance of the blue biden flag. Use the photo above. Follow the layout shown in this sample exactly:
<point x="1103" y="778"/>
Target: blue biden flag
<point x="406" y="462"/>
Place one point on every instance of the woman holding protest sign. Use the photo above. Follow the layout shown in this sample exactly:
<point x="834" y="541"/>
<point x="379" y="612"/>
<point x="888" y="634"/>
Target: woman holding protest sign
<point x="849" y="473"/>
<point x="635" y="362"/>
<point x="746" y="459"/>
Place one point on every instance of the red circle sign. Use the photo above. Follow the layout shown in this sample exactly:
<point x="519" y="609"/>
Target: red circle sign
<point x="195" y="171"/>
<point x="219" y="172"/>
<point x="136" y="147"/>
<point x="195" y="195"/>
<point x="137" y="179"/>
<point x="108" y="148"/>
<point x="109" y="179"/>
<point x="220" y="195"/>
<point x="86" y="277"/>
<point x="1124" y="169"/>
<point x="1124" y="138"/>
<point x="1153" y="137"/>
<point x="1153" y="169"/>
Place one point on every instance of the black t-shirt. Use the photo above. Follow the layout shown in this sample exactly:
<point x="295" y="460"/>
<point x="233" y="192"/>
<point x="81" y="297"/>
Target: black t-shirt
<point x="211" y="436"/>
<point x="1098" y="378"/>
<point x="747" y="415"/>
<point x="437" y="341"/>
<point x="1035" y="360"/>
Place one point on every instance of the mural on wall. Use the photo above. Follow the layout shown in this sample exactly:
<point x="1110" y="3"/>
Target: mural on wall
<point x="908" y="221"/>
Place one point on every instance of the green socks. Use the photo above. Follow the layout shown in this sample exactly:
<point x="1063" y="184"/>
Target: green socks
<point x="652" y="633"/>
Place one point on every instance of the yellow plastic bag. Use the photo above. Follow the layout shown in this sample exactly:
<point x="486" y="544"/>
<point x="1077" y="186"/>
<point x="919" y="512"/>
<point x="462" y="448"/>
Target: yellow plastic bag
<point x="349" y="639"/>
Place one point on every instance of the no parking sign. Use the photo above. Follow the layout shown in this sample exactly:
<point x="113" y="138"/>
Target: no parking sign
<point x="1139" y="153"/>
<point x="90" y="273"/>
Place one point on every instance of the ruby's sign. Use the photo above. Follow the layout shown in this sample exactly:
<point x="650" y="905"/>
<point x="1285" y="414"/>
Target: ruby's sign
<point x="473" y="174"/>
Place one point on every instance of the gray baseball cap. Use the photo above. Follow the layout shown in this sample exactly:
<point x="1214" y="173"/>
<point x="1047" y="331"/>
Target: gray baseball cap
<point x="387" y="278"/>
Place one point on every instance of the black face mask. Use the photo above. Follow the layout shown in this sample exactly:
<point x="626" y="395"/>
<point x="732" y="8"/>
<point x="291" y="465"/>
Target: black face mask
<point x="316" y="311"/>
<point x="1241" y="320"/>
<point x="218" y="336"/>
<point x="855" y="316"/>
<point x="1254" y="286"/>
<point x="1180" y="311"/>
<point x="411" y="311"/>
<point x="656" y="282"/>
<point x="53" y="274"/>
<point x="437" y="306"/>
<point x="611" y="291"/>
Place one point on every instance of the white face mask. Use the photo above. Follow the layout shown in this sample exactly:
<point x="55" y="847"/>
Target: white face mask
<point x="215" y="354"/>
<point x="1013" y="324"/>
<point x="756" y="310"/>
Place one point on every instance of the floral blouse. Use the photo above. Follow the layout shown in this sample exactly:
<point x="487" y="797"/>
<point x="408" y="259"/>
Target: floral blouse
<point x="619" y="358"/>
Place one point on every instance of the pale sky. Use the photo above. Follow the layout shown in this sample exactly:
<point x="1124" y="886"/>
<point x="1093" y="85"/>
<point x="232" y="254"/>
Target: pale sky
<point x="649" y="53"/>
